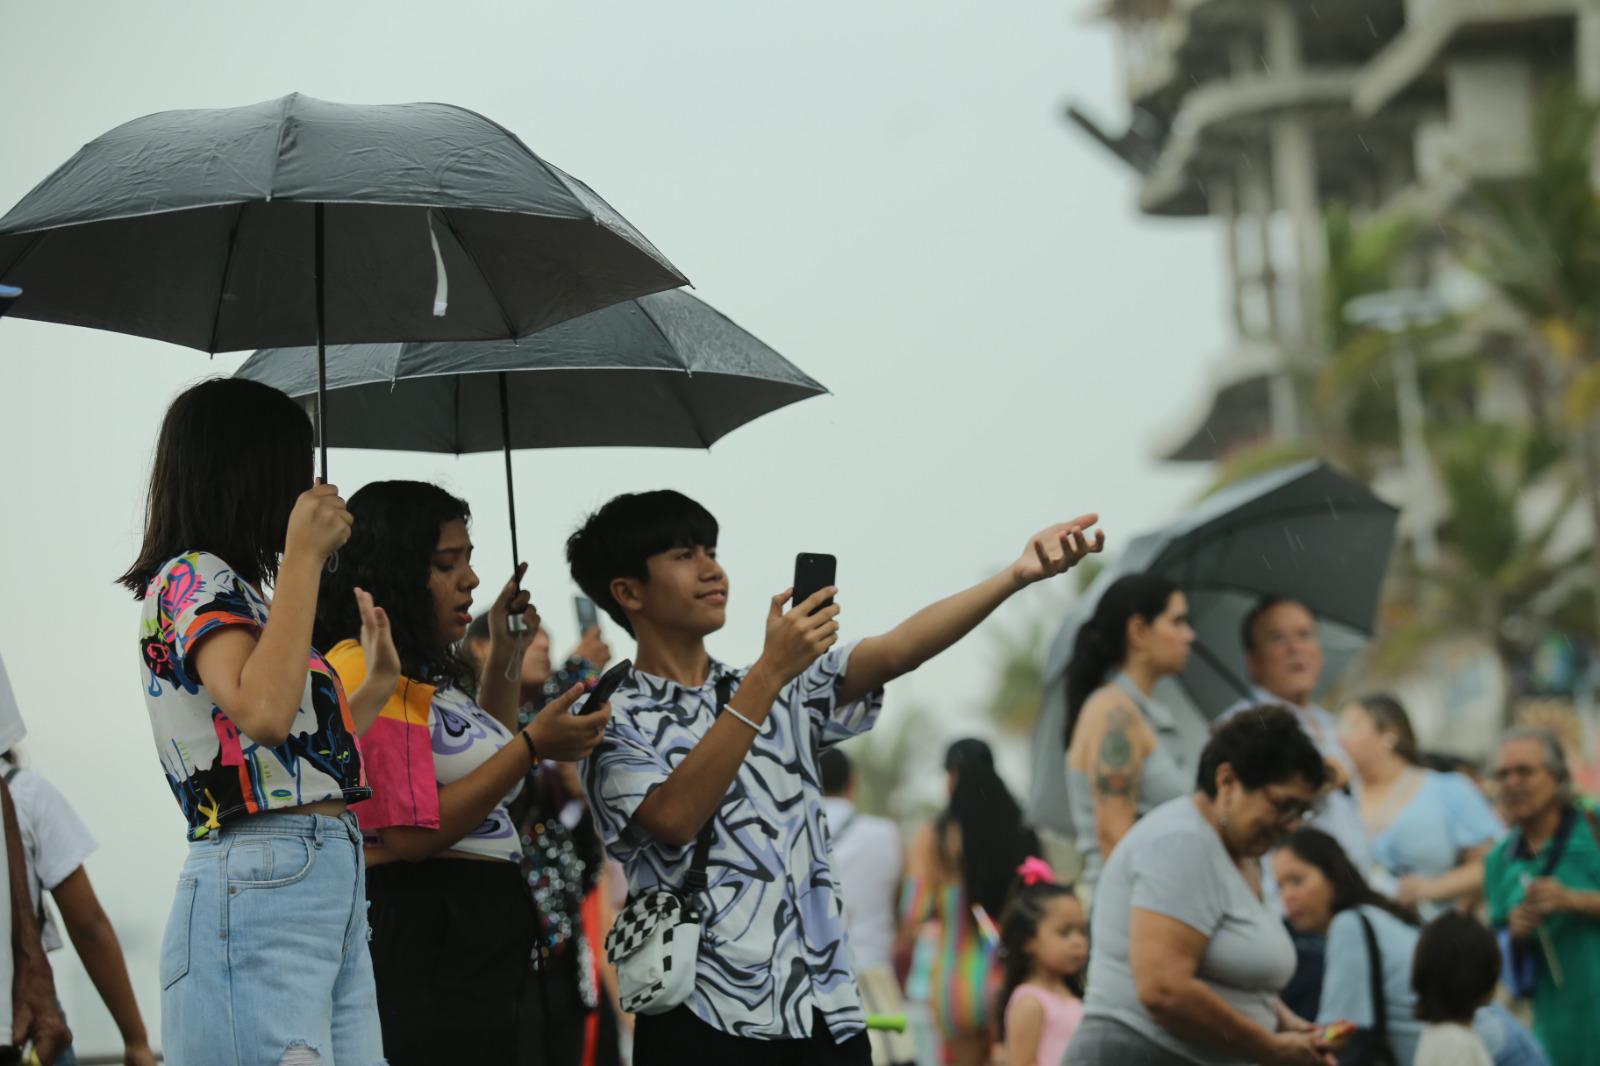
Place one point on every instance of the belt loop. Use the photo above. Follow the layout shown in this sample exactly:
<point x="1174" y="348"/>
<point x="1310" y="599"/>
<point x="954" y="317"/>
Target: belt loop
<point x="316" y="830"/>
<point x="215" y="836"/>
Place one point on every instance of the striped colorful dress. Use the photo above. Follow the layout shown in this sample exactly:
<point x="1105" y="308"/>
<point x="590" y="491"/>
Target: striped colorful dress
<point x="954" y="969"/>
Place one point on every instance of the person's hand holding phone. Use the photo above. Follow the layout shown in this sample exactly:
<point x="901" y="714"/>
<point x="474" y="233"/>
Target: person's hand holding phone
<point x="559" y="734"/>
<point x="593" y="649"/>
<point x="798" y="637"/>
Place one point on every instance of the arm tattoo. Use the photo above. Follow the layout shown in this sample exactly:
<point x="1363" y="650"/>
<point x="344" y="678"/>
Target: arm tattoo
<point x="1114" y="769"/>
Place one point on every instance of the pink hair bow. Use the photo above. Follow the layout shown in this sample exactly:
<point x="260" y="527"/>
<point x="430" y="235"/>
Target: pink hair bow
<point x="1035" y="871"/>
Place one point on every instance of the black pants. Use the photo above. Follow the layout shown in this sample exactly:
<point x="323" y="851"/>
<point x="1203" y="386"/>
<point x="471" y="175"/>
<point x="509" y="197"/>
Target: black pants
<point x="678" y="1037"/>
<point x="450" y="945"/>
<point x="553" y="1015"/>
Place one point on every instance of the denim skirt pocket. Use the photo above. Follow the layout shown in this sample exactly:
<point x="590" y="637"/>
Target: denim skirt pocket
<point x="175" y="941"/>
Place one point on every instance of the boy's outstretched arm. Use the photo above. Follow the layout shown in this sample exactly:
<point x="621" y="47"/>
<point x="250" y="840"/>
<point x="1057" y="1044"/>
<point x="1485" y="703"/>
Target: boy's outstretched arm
<point x="878" y="660"/>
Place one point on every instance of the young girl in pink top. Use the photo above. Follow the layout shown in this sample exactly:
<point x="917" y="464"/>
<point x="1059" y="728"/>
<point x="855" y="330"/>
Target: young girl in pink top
<point x="1044" y="948"/>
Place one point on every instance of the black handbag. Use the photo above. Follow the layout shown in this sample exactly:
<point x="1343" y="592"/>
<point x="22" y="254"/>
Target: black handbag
<point x="1371" y="1047"/>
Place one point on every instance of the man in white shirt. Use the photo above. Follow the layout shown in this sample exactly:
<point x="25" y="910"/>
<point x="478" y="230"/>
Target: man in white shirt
<point x="867" y="861"/>
<point x="1284" y="656"/>
<point x="30" y="1012"/>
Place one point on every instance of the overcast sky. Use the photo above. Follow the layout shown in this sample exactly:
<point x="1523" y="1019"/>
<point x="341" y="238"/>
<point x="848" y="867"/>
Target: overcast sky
<point x="886" y="193"/>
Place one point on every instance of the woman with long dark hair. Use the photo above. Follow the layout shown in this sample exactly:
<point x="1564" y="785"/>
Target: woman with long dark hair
<point x="1324" y="894"/>
<point x="452" y="926"/>
<point x="959" y="872"/>
<point x="1122" y="746"/>
<point x="255" y="735"/>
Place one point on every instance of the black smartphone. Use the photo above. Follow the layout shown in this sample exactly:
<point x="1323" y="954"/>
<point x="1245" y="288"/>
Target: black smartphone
<point x="812" y="573"/>
<point x="588" y="614"/>
<point x="608" y="684"/>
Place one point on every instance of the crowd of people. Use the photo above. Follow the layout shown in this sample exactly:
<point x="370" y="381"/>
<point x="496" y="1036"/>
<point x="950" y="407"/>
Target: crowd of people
<point x="1316" y="890"/>
<point x="412" y="839"/>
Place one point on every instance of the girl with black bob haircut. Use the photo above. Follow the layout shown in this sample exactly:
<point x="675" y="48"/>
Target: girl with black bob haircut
<point x="255" y="735"/>
<point x="1454" y="972"/>
<point x="617" y="540"/>
<point x="452" y="922"/>
<point x="1123" y="747"/>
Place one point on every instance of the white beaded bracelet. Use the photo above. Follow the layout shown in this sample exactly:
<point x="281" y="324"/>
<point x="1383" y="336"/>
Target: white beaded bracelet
<point x="730" y="709"/>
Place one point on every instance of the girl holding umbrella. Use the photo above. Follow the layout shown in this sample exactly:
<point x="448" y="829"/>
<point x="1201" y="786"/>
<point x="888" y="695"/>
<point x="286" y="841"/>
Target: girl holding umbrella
<point x="256" y="736"/>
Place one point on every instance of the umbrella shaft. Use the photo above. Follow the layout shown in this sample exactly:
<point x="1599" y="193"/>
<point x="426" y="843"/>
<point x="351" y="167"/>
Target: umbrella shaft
<point x="322" y="340"/>
<point x="511" y="493"/>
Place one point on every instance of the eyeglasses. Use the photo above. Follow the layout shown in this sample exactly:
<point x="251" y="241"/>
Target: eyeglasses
<point x="1506" y="773"/>
<point x="1288" y="810"/>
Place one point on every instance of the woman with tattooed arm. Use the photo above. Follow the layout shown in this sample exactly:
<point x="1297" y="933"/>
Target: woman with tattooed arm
<point x="1122" y="746"/>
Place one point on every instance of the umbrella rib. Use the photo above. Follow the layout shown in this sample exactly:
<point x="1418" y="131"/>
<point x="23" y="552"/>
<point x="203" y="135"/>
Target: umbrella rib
<point x="505" y="316"/>
<point x="227" y="270"/>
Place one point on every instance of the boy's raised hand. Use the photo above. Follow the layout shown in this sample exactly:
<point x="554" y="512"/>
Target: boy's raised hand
<point x="1058" y="549"/>
<point x="796" y="638"/>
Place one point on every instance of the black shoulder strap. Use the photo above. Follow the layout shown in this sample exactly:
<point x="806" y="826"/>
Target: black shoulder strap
<point x="696" y="879"/>
<point x="11" y="772"/>
<point x="1380" y="1013"/>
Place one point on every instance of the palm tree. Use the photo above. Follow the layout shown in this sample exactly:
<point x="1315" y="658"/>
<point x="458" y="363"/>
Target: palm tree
<point x="1537" y="241"/>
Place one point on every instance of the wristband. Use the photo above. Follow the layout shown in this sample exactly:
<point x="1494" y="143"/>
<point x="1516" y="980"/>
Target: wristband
<point x="533" y="753"/>
<point x="730" y="709"/>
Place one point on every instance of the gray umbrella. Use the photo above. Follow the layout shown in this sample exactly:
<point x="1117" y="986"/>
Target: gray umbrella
<point x="1305" y="532"/>
<point x="666" y="370"/>
<point x="299" y="221"/>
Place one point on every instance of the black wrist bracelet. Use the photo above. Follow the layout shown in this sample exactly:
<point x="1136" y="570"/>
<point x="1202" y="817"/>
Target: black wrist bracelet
<point x="533" y="753"/>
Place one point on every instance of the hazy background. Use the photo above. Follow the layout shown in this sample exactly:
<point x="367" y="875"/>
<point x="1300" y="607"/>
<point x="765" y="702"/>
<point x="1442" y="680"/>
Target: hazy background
<point x="884" y="192"/>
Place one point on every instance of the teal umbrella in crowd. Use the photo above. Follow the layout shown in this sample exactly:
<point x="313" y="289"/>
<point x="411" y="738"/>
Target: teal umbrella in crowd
<point x="667" y="370"/>
<point x="300" y="221"/>
<point x="1306" y="532"/>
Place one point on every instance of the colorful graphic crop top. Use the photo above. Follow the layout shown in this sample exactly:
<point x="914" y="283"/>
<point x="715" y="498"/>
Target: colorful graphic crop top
<point x="217" y="773"/>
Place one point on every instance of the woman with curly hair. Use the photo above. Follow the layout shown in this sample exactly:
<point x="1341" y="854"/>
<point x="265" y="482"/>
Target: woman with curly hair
<point x="452" y="927"/>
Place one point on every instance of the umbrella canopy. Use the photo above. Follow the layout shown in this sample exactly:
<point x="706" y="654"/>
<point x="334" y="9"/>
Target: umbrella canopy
<point x="199" y="228"/>
<point x="666" y="370"/>
<point x="1305" y="532"/>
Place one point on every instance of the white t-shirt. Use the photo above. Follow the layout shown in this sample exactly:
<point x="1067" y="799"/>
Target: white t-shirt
<point x="1446" y="1044"/>
<point x="866" y="860"/>
<point x="55" y="839"/>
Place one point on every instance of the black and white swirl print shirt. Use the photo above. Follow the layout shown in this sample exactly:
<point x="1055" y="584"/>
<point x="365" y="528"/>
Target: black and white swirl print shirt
<point x="772" y="949"/>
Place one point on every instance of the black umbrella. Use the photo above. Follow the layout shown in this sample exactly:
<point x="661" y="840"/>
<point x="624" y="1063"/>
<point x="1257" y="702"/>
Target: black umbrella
<point x="666" y="370"/>
<point x="1306" y="532"/>
<point x="299" y="221"/>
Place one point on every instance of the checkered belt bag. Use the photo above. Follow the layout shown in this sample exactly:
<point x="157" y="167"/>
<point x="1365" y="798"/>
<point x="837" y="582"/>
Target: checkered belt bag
<point x="655" y="942"/>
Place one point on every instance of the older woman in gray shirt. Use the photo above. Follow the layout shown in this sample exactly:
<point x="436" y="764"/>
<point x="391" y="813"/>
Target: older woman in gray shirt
<point x="1188" y="960"/>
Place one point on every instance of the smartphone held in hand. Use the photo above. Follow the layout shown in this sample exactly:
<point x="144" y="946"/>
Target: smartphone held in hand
<point x="588" y="614"/>
<point x="604" y="688"/>
<point x="812" y="574"/>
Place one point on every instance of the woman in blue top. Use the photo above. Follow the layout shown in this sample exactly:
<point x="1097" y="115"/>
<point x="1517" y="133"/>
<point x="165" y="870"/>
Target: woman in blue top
<point x="1323" y="893"/>
<point x="1428" y="831"/>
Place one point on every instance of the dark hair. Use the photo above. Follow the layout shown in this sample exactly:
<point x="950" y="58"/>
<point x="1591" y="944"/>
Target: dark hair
<point x="616" y="540"/>
<point x="1350" y="889"/>
<point x="1389" y="715"/>
<point x="1018" y="925"/>
<point x="994" y="840"/>
<point x="390" y="554"/>
<point x="1265" y="746"/>
<point x="232" y="458"/>
<point x="1102" y="642"/>
<point x="1247" y="628"/>
<point x="1455" y="968"/>
<point x="834" y="767"/>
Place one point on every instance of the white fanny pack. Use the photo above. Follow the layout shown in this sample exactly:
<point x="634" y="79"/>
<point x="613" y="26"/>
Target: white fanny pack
<point x="655" y="942"/>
